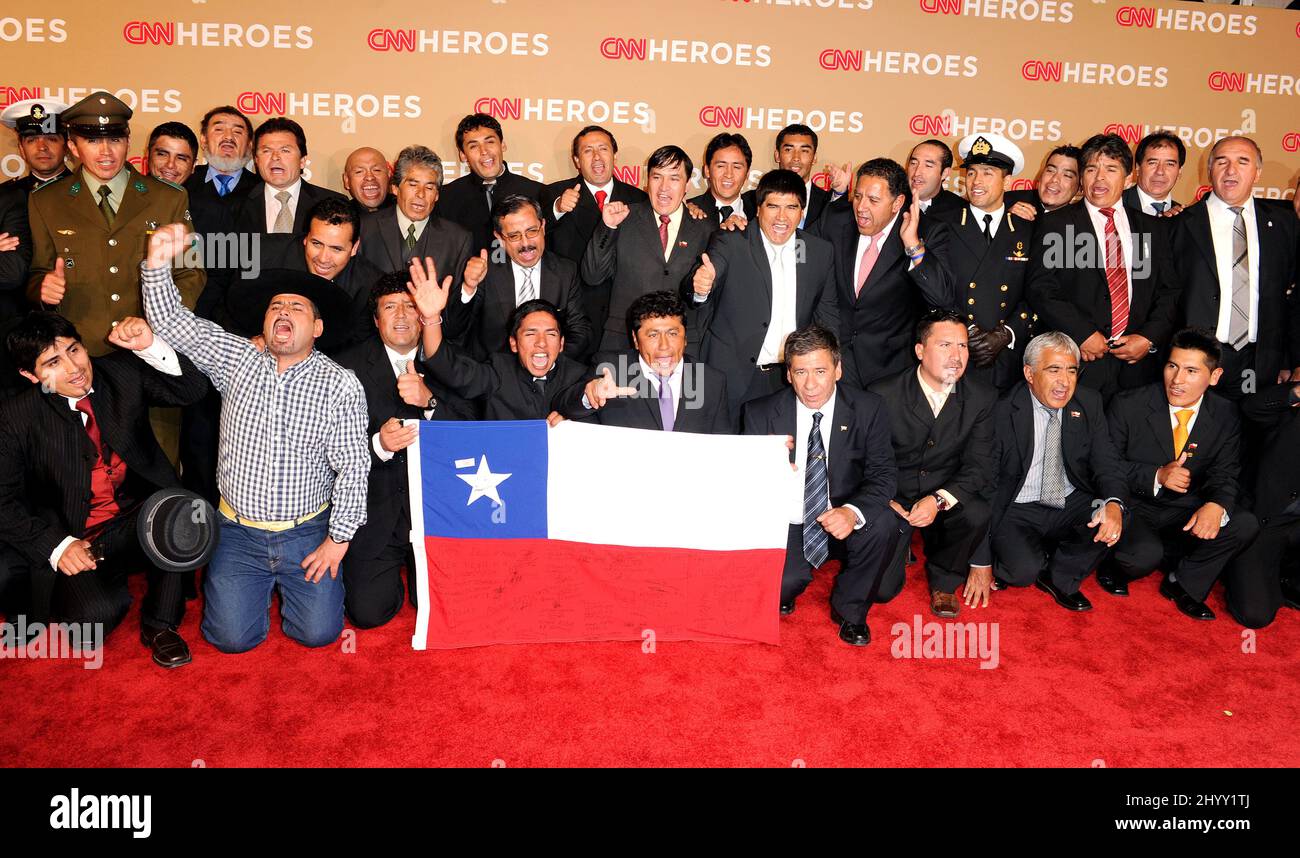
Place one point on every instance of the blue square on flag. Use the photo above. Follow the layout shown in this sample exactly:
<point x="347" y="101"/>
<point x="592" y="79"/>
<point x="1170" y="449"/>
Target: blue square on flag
<point x="484" y="480"/>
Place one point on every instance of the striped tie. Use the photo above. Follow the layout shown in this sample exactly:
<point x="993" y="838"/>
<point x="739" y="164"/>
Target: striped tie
<point x="1239" y="321"/>
<point x="1052" y="493"/>
<point x="1116" y="278"/>
<point x="816" y="497"/>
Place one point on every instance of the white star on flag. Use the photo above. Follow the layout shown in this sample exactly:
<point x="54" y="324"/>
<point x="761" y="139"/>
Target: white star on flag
<point x="484" y="483"/>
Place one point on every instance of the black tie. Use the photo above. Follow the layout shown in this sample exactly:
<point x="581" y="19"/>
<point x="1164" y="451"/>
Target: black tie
<point x="988" y="228"/>
<point x="487" y="189"/>
<point x="725" y="212"/>
<point x="541" y="386"/>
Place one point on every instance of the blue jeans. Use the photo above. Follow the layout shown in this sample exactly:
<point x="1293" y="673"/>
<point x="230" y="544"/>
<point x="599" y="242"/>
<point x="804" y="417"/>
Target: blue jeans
<point x="247" y="566"/>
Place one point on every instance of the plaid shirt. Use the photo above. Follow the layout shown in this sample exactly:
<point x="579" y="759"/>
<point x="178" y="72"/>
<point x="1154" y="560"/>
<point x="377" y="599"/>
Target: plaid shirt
<point x="289" y="441"/>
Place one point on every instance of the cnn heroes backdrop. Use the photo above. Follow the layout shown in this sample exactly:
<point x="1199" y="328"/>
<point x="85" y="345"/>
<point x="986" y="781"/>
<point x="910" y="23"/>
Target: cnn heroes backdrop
<point x="870" y="76"/>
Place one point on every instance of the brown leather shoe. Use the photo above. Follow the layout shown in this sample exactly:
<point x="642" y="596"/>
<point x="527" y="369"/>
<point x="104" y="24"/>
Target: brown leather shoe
<point x="944" y="604"/>
<point x="169" y="648"/>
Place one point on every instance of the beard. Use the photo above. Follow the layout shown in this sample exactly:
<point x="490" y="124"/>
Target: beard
<point x="227" y="165"/>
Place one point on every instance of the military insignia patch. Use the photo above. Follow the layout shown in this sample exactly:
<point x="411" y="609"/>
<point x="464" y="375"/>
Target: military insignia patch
<point x="67" y="232"/>
<point x="981" y="147"/>
<point x="139" y="186"/>
<point x="75" y="189"/>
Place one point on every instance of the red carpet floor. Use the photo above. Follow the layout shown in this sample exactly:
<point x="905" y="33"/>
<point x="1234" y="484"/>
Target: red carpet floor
<point x="1133" y="683"/>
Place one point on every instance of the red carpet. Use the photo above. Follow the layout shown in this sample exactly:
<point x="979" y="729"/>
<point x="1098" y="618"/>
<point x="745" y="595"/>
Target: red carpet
<point x="1133" y="683"/>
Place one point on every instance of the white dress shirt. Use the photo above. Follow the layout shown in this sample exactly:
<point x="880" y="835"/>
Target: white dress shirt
<point x="404" y="225"/>
<point x="161" y="357"/>
<point x="1221" y="223"/>
<point x="996" y="214"/>
<point x="782" y="319"/>
<point x="803" y="423"/>
<point x="1146" y="200"/>
<point x="396" y="360"/>
<point x="273" y="205"/>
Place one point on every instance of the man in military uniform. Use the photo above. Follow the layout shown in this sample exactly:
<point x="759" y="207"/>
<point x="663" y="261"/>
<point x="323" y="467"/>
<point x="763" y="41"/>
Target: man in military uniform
<point x="42" y="146"/>
<point x="90" y="228"/>
<point x="989" y="259"/>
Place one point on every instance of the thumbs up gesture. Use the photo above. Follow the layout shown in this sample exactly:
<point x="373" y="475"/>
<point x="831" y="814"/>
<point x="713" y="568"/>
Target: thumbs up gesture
<point x="568" y="201"/>
<point x="1174" y="476"/>
<point x="475" y="270"/>
<point x="601" y="390"/>
<point x="702" y="282"/>
<point x="54" y="285"/>
<point x="411" y="387"/>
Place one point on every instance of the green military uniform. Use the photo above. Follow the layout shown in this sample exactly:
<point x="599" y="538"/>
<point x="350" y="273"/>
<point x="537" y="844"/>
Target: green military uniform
<point x="102" y="262"/>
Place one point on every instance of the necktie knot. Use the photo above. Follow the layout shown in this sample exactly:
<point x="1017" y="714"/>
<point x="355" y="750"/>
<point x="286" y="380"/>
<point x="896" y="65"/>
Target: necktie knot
<point x="1237" y="210"/>
<point x="601" y="196"/>
<point x="1108" y="212"/>
<point x="1184" y="416"/>
<point x="83" y="405"/>
<point x="817" y="419"/>
<point x="726" y="212"/>
<point x="664" y="219"/>
<point x="106" y="192"/>
<point x="1159" y="207"/>
<point x="283" y="196"/>
<point x="105" y="205"/>
<point x="223" y="184"/>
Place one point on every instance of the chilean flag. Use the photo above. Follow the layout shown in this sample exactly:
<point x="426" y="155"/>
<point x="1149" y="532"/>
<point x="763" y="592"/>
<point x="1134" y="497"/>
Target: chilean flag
<point x="529" y="534"/>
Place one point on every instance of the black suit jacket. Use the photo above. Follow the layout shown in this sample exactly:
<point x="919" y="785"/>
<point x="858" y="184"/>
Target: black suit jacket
<point x="502" y="388"/>
<point x="1091" y="463"/>
<point x="464" y="202"/>
<point x="384" y="246"/>
<point x="737" y="312"/>
<point x="213" y="214"/>
<point x="569" y="236"/>
<point x="877" y="326"/>
<point x="709" y="206"/>
<point x="953" y="451"/>
<point x="1024" y="195"/>
<point x="1133" y="201"/>
<point x="702" y="408"/>
<point x="1278" y="340"/>
<point x="494" y="303"/>
<point x="46" y="457"/>
<point x="388" y="513"/>
<point x="250" y="215"/>
<point x="860" y="457"/>
<point x="1144" y="438"/>
<point x="633" y="257"/>
<point x="1277" y="484"/>
<point x="1076" y="299"/>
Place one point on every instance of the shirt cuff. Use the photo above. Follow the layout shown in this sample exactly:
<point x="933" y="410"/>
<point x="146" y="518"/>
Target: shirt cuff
<point x="1155" y="486"/>
<point x="465" y="297"/>
<point x="161" y="357"/>
<point x="699" y="299"/>
<point x="555" y="210"/>
<point x="947" y="497"/>
<point x="380" y="453"/>
<point x="1012" y="344"/>
<point x="857" y="513"/>
<point x="58" y="551"/>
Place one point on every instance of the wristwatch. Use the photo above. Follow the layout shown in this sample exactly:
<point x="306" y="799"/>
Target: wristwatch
<point x="939" y="500"/>
<point x="432" y="403"/>
<point x="337" y="541"/>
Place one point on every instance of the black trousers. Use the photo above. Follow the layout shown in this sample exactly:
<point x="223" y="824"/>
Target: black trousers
<point x="200" y="424"/>
<point x="1155" y="531"/>
<point x="949" y="541"/>
<point x="1253" y="580"/>
<point x="867" y="552"/>
<point x="1032" y="537"/>
<point x="98" y="595"/>
<point x="372" y="586"/>
<point x="1239" y="370"/>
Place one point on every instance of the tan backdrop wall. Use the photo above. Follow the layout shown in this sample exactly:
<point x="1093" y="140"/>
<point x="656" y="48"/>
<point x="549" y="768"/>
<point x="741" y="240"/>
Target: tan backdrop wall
<point x="869" y="75"/>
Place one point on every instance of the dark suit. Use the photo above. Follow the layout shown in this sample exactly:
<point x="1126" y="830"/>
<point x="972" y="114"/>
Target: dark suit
<point x="250" y="215"/>
<point x="1025" y="195"/>
<point x="569" y="235"/>
<point x="1255" y="578"/>
<point x="1277" y="345"/>
<point x="1142" y="429"/>
<point x="1133" y="201"/>
<point x="14" y="263"/>
<point x="384" y="246"/>
<point x="953" y="452"/>
<point x="737" y="312"/>
<point x="46" y="461"/>
<point x="372" y="568"/>
<point x="818" y="199"/>
<point x="1025" y="535"/>
<point x="860" y="468"/>
<point x="632" y="256"/>
<point x="502" y="388"/>
<point x="701" y="405"/>
<point x="464" y="202"/>
<point x="214" y="214"/>
<point x="990" y="283"/>
<point x="495" y="300"/>
<point x="877" y="326"/>
<point x="707" y="204"/>
<point x="944" y="202"/>
<point x="1075" y="298"/>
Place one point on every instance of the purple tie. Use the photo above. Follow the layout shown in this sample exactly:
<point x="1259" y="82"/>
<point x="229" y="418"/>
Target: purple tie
<point x="666" y="411"/>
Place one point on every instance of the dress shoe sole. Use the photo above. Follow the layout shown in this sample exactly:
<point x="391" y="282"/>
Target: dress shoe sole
<point x="1078" y="609"/>
<point x="947" y="615"/>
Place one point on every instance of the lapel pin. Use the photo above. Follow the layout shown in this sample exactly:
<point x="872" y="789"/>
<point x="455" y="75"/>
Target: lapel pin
<point x="844" y="428"/>
<point x="1270" y="223"/>
<point x="681" y="244"/>
<point x="1076" y="414"/>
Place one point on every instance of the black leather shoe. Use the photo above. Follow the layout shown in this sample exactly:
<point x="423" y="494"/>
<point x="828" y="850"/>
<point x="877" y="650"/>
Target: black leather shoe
<point x="169" y="648"/>
<point x="1070" y="601"/>
<point x="1114" y="585"/>
<point x="787" y="608"/>
<point x="1186" y="603"/>
<point x="853" y="634"/>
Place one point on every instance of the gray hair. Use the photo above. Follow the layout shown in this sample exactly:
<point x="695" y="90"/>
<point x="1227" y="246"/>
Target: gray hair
<point x="416" y="156"/>
<point x="1050" y="340"/>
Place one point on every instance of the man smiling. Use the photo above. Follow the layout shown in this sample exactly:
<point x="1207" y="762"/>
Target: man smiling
<point x="469" y="200"/>
<point x="366" y="178"/>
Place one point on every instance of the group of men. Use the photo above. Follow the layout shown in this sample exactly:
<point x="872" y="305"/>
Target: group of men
<point x="1087" y="376"/>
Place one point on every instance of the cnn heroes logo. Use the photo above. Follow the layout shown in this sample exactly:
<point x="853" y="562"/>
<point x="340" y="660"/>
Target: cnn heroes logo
<point x="567" y="110"/>
<point x="898" y="62"/>
<point x="1045" y="11"/>
<point x="776" y="118"/>
<point x="1256" y="83"/>
<point x="1187" y="20"/>
<point x="1095" y="74"/>
<point x="335" y="104"/>
<point x="495" y="43"/>
<point x="211" y="34"/>
<point x="849" y="5"/>
<point x="139" y="100"/>
<point x="948" y="123"/>
<point x="689" y="51"/>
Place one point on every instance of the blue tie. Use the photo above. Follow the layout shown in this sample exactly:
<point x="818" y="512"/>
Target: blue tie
<point x="223" y="184"/>
<point x="816" y="498"/>
<point x="1159" y="207"/>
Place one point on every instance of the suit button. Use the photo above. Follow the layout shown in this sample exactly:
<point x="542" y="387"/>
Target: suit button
<point x="112" y="269"/>
<point x="753" y="360"/>
<point x="1003" y="305"/>
<point x="930" y="443"/>
<point x="112" y="242"/>
<point x="1002" y="321"/>
<point x="970" y="300"/>
<point x="765" y="324"/>
<point x="1003" y="287"/>
<point x="1024" y="315"/>
<point x="971" y="317"/>
<point x="972" y="285"/>
<point x="115" y="297"/>
<point x="923" y="473"/>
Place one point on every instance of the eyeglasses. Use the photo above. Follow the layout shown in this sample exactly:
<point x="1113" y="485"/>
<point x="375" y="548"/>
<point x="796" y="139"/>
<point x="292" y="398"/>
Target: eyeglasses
<point x="530" y="233"/>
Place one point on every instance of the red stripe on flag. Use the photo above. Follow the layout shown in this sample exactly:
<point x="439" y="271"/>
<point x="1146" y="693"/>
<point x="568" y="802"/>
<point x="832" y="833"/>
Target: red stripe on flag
<point x="494" y="591"/>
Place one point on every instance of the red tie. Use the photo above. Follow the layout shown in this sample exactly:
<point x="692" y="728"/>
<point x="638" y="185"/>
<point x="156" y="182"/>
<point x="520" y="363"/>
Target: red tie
<point x="1115" y="276"/>
<point x="105" y="477"/>
<point x="601" y="196"/>
<point x="663" y="230"/>
<point x="92" y="428"/>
